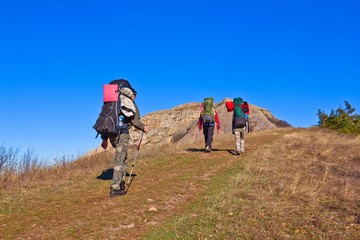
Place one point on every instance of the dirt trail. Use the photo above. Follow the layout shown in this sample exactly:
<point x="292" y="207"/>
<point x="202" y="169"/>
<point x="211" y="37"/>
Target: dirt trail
<point x="164" y="185"/>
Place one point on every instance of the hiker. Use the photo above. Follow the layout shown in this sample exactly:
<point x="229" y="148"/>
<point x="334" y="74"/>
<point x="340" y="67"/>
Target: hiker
<point x="240" y="111"/>
<point x="208" y="119"/>
<point x="120" y="140"/>
<point x="246" y="110"/>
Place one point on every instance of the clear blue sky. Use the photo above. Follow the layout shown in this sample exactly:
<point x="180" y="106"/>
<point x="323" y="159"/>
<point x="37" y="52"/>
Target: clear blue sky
<point x="291" y="57"/>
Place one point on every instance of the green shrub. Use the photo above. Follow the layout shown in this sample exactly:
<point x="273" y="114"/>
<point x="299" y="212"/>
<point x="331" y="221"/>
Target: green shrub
<point x="341" y="119"/>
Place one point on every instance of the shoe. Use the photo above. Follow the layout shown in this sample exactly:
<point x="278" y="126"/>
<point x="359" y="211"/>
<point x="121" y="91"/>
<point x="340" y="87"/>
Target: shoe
<point x="117" y="192"/>
<point x="122" y="185"/>
<point x="207" y="149"/>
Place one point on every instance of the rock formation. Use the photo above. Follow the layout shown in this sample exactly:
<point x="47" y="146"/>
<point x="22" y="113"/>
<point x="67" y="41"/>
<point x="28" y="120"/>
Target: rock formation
<point x="179" y="124"/>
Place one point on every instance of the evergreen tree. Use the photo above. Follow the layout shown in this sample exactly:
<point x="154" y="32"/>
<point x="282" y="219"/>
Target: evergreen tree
<point x="341" y="119"/>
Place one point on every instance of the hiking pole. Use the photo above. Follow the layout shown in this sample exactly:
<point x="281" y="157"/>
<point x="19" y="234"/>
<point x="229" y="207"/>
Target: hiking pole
<point x="133" y="164"/>
<point x="247" y="125"/>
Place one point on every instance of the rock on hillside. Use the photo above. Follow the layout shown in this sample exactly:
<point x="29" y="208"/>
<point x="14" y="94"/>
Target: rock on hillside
<point x="179" y="124"/>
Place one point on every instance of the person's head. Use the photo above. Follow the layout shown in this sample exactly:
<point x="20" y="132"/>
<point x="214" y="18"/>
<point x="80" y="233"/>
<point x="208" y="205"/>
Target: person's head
<point x="134" y="91"/>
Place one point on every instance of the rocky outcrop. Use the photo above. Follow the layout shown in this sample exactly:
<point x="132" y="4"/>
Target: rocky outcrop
<point x="179" y="124"/>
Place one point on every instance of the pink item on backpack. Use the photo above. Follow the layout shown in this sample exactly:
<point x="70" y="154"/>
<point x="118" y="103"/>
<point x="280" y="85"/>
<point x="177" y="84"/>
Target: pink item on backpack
<point x="111" y="92"/>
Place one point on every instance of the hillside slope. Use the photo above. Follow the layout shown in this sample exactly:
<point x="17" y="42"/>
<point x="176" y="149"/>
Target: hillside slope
<point x="290" y="184"/>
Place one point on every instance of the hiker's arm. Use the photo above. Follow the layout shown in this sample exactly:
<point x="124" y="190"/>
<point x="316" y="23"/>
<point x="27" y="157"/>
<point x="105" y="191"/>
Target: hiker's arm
<point x="136" y="122"/>
<point x="200" y="123"/>
<point x="217" y="120"/>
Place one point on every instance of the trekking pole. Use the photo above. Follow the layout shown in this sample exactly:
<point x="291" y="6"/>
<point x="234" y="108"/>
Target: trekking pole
<point x="247" y="125"/>
<point x="136" y="154"/>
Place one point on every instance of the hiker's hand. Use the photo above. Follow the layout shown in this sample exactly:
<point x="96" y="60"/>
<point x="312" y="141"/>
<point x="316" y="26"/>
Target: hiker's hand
<point x="146" y="129"/>
<point x="104" y="144"/>
<point x="218" y="131"/>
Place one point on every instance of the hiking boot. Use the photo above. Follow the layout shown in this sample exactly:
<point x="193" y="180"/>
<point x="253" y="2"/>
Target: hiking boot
<point x="117" y="192"/>
<point x="122" y="185"/>
<point x="207" y="149"/>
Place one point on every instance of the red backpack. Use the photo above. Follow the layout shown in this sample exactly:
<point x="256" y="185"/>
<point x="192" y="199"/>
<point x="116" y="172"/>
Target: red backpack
<point x="230" y="106"/>
<point x="245" y="108"/>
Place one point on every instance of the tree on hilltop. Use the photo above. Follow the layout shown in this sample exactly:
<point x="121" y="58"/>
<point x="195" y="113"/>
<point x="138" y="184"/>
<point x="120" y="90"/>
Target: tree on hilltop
<point x="342" y="119"/>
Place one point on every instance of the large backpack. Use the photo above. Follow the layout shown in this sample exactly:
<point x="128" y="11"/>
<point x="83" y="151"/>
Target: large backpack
<point x="207" y="113"/>
<point x="239" y="120"/>
<point x="110" y="119"/>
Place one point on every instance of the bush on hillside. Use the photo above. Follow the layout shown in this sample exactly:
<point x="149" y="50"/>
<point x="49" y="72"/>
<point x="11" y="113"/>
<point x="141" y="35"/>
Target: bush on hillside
<point x="342" y="119"/>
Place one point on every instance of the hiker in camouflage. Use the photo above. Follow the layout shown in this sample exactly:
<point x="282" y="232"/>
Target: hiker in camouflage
<point x="239" y="123"/>
<point x="121" y="143"/>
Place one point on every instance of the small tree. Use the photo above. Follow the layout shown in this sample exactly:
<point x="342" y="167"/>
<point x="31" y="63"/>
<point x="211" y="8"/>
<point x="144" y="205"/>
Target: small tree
<point x="341" y="119"/>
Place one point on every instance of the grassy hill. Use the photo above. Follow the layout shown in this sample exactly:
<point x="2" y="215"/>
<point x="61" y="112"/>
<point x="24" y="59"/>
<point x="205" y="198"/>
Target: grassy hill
<point x="290" y="184"/>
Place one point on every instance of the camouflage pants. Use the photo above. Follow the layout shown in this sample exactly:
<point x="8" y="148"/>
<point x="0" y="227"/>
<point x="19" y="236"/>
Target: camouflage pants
<point x="239" y="139"/>
<point x="121" y="144"/>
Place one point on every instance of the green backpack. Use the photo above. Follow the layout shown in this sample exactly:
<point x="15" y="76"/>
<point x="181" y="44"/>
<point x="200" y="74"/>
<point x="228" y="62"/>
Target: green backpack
<point x="238" y="112"/>
<point x="207" y="113"/>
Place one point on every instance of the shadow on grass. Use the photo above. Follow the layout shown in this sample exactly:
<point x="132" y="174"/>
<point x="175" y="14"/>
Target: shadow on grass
<point x="108" y="174"/>
<point x="213" y="150"/>
<point x="233" y="152"/>
<point x="195" y="150"/>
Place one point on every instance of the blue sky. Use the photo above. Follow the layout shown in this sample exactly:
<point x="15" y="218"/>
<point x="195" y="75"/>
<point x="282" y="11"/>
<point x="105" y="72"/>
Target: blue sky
<point x="291" y="57"/>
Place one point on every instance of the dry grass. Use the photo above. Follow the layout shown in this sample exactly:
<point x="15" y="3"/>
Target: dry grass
<point x="306" y="184"/>
<point x="297" y="184"/>
<point x="289" y="184"/>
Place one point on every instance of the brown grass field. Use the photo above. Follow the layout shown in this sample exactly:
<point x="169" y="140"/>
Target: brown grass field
<point x="290" y="183"/>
